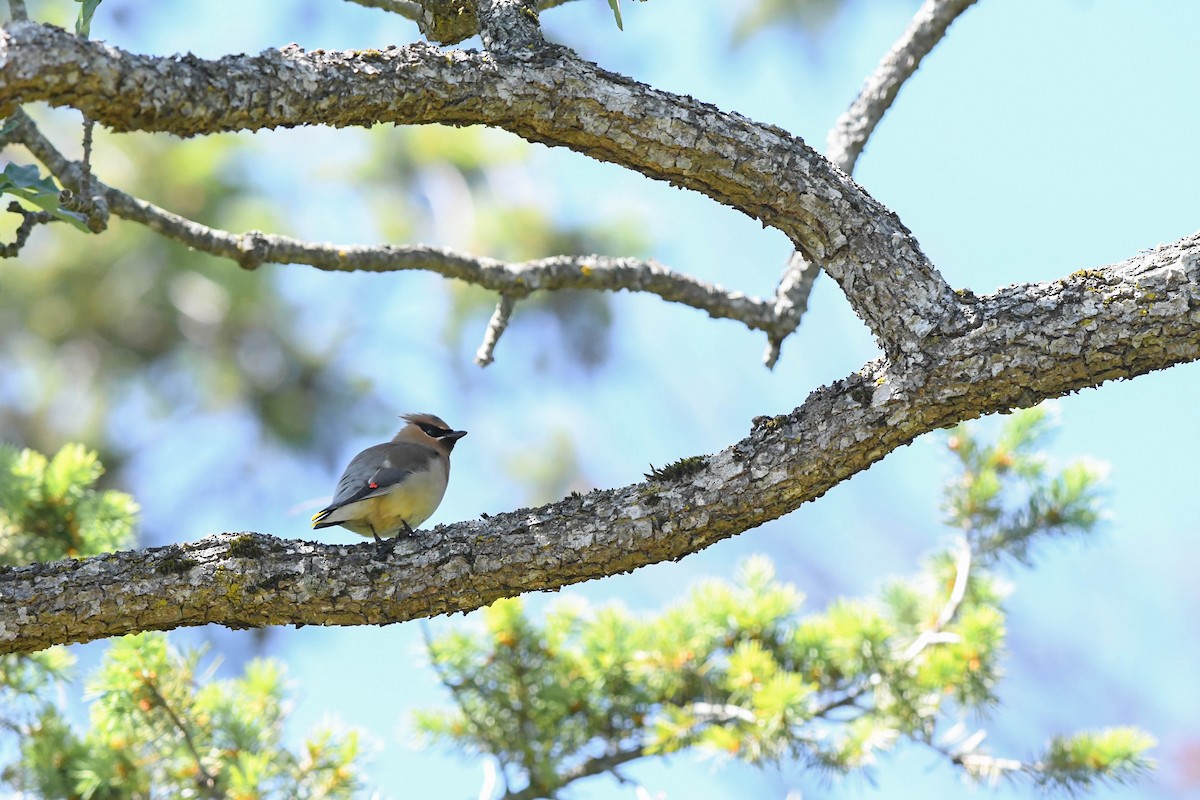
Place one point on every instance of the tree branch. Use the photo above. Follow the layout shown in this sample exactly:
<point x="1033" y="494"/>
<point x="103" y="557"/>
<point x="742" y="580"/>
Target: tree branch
<point x="934" y="634"/>
<point x="495" y="329"/>
<point x="849" y="136"/>
<point x="207" y="780"/>
<point x="852" y="130"/>
<point x="29" y="221"/>
<point x="251" y="249"/>
<point x="593" y="766"/>
<point x="544" y="94"/>
<point x="508" y="25"/>
<point x="16" y="8"/>
<point x="1015" y="348"/>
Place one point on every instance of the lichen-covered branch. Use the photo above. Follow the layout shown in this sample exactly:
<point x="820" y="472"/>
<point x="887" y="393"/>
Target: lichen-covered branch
<point x="508" y="25"/>
<point x="849" y="136"/>
<point x="542" y="93"/>
<point x="1014" y="348"/>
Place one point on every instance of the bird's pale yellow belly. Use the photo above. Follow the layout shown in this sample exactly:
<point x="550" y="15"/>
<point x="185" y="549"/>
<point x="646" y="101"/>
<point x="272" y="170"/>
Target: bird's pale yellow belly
<point x="413" y="502"/>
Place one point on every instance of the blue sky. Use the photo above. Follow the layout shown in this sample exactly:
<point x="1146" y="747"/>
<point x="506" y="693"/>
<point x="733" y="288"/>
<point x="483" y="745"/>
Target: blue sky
<point x="1038" y="139"/>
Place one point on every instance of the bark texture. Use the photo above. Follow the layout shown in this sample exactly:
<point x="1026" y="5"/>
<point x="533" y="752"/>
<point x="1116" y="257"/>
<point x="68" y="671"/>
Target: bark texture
<point x="949" y="356"/>
<point x="541" y="92"/>
<point x="1015" y="348"/>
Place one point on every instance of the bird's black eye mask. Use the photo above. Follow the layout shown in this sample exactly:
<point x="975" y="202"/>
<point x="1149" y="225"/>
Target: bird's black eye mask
<point x="433" y="431"/>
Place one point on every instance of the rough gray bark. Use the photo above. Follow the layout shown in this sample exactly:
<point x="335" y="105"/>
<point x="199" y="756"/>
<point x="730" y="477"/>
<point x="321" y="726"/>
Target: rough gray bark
<point x="849" y="136"/>
<point x="1014" y="348"/>
<point x="542" y="93"/>
<point x="949" y="356"/>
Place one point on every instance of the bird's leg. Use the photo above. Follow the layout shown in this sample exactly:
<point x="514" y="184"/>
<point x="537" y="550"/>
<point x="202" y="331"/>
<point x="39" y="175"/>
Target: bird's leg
<point x="382" y="548"/>
<point x="407" y="530"/>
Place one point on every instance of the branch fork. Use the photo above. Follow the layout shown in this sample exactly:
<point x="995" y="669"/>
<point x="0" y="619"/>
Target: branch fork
<point x="946" y="357"/>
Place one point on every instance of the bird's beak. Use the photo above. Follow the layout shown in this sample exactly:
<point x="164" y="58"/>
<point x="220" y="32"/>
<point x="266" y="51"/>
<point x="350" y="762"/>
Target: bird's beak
<point x="454" y="436"/>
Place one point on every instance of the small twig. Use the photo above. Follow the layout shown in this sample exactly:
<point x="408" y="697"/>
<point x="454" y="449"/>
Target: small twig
<point x="934" y="635"/>
<point x="990" y="767"/>
<point x="979" y="765"/>
<point x="455" y="690"/>
<point x="791" y="301"/>
<point x="16" y="9"/>
<point x="722" y="712"/>
<point x="29" y="221"/>
<point x="847" y="699"/>
<point x="489" y="779"/>
<point x="495" y="328"/>
<point x="210" y="780"/>
<point x="852" y="130"/>
<point x="93" y="207"/>
<point x="593" y="766"/>
<point x="595" y="273"/>
<point x="85" y="181"/>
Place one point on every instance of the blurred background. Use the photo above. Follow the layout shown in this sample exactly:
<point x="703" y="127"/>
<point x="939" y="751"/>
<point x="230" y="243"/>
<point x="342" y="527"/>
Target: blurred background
<point x="1037" y="139"/>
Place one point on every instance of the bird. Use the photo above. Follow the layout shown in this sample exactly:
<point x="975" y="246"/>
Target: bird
<point x="393" y="487"/>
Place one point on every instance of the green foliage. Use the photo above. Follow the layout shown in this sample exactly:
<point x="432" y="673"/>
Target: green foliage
<point x="1007" y="494"/>
<point x="615" y="5"/>
<point x="737" y="670"/>
<point x="124" y="323"/>
<point x="1091" y="757"/>
<point x="809" y="17"/>
<point x="83" y="24"/>
<point x="50" y="508"/>
<point x="159" y="730"/>
<point x="26" y="182"/>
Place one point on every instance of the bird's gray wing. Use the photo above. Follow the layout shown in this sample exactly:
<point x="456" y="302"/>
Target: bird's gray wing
<point x="377" y="469"/>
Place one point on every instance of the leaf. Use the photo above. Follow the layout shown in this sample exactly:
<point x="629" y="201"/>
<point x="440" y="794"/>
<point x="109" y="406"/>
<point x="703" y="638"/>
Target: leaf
<point x="26" y="182"/>
<point x="615" y="5"/>
<point x="83" y="24"/>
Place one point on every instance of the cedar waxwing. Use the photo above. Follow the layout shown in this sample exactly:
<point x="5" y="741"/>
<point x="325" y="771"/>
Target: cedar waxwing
<point x="396" y="486"/>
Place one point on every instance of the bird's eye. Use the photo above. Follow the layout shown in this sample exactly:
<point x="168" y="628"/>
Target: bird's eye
<point x="432" y="430"/>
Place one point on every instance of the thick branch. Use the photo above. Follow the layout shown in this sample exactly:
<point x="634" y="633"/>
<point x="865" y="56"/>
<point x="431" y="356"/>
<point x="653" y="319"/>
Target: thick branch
<point x="849" y="136"/>
<point x="508" y="24"/>
<point x="1015" y="348"/>
<point x="544" y="94"/>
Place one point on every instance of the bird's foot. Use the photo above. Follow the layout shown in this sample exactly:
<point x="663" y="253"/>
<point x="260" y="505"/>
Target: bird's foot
<point x="383" y="547"/>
